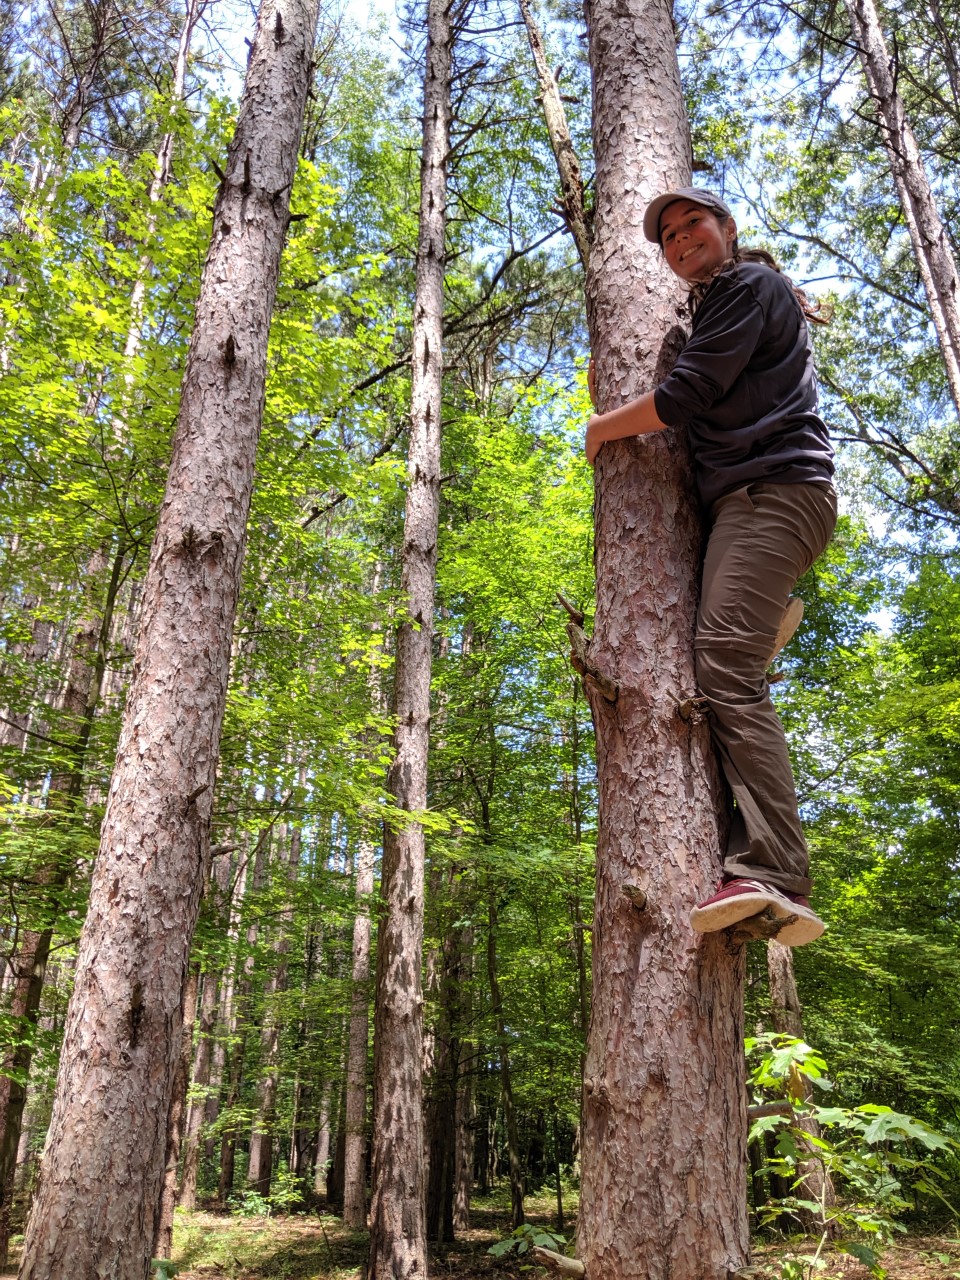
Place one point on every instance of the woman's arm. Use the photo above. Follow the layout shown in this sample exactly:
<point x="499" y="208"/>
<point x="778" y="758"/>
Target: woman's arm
<point x="638" y="418"/>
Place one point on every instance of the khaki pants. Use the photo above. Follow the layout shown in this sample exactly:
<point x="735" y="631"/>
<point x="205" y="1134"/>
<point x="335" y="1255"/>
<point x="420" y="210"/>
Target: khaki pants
<point x="763" y="537"/>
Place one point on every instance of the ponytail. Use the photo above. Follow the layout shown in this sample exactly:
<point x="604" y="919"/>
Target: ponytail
<point x="809" y="306"/>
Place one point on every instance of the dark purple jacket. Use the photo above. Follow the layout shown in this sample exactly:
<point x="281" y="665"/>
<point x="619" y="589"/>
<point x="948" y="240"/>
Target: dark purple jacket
<point x="745" y="388"/>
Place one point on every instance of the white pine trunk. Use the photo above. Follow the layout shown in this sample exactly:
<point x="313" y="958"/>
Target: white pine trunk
<point x="102" y="1172"/>
<point x="397" y="1222"/>
<point x="664" y="1117"/>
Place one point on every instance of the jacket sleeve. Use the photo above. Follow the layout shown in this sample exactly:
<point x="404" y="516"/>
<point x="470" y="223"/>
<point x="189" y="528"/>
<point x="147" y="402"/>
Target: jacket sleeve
<point x="728" y="328"/>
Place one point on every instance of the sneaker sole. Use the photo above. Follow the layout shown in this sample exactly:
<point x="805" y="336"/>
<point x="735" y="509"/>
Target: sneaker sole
<point x="721" y="915"/>
<point x="792" y="617"/>
<point x="800" y="924"/>
<point x="806" y="928"/>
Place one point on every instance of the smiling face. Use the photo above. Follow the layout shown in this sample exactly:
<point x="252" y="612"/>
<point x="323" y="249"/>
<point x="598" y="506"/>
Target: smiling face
<point x="695" y="241"/>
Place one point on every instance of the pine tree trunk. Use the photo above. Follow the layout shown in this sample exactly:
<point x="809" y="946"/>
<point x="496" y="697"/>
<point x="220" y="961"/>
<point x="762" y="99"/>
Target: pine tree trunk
<point x="397" y="1227"/>
<point x="931" y="244"/>
<point x="664" y="1128"/>
<point x="78" y="702"/>
<point x="95" y="1213"/>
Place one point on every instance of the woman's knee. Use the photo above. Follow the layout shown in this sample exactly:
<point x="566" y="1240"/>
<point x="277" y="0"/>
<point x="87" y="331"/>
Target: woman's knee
<point x="726" y="674"/>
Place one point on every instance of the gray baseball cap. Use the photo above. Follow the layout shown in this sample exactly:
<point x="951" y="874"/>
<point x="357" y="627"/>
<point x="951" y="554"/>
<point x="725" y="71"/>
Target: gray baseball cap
<point x="651" y="219"/>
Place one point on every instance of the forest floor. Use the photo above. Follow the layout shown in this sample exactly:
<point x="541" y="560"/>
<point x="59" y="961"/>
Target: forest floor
<point x="210" y="1246"/>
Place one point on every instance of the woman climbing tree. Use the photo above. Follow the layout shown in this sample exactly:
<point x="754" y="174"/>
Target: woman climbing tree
<point x="744" y="386"/>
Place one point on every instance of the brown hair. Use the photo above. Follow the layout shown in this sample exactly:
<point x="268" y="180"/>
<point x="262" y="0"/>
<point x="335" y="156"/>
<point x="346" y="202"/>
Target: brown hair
<point x="809" y="306"/>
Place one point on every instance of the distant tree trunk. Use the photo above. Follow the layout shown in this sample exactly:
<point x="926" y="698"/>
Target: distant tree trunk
<point x="441" y="1111"/>
<point x="787" y="1013"/>
<point x="260" y="1168"/>
<point x="338" y="1142"/>
<point x="397" y="1226"/>
<point x="163" y="1241"/>
<point x="78" y="704"/>
<point x="664" y="1128"/>
<point x="556" y="1166"/>
<point x="465" y="1144"/>
<point x="13" y="723"/>
<point x="482" y="1142"/>
<point x="103" y="1167"/>
<point x="506" y="1082"/>
<point x="323" y="1139"/>
<point x="238" y="1018"/>
<point x="201" y="1080"/>
<point x="355" y="1116"/>
<point x="931" y="244"/>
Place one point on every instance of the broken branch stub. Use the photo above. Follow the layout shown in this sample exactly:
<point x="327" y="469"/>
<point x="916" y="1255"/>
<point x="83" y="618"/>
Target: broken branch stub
<point x="556" y="1262"/>
<point x="606" y="687"/>
<point x="765" y="925"/>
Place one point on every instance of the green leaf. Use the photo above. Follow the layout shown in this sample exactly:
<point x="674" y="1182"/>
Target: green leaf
<point x="863" y="1253"/>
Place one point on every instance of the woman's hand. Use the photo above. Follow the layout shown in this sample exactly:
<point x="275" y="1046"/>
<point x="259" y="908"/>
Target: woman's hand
<point x="592" y="382"/>
<point x="638" y="418"/>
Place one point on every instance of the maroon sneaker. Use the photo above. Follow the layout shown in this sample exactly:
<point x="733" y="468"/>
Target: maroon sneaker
<point x="738" y="900"/>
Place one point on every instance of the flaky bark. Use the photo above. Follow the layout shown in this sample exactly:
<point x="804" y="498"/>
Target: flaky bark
<point x="102" y="1172"/>
<point x="931" y="245"/>
<point x="664" y="1128"/>
<point x="398" y="1231"/>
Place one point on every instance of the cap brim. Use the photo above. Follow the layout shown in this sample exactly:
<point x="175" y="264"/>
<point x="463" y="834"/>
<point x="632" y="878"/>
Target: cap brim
<point x="651" y="218"/>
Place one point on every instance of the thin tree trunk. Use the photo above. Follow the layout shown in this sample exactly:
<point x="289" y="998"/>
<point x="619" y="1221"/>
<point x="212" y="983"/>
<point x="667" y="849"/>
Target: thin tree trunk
<point x="787" y="1013"/>
<point x="664" y="1128"/>
<point x="201" y="1081"/>
<point x="29" y="962"/>
<point x="323" y="1140"/>
<point x="103" y="1168"/>
<point x="260" y="1169"/>
<point x="397" y="1227"/>
<point x="465" y="1144"/>
<point x="568" y="166"/>
<point x="931" y="244"/>
<point x="355" y="1115"/>
<point x="14" y="724"/>
<point x="506" y="1082"/>
<point x="163" y="1241"/>
<point x="441" y="1111"/>
<point x="237" y="1018"/>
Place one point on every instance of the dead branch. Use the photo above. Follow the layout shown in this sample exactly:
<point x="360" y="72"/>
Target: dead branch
<point x="558" y="1263"/>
